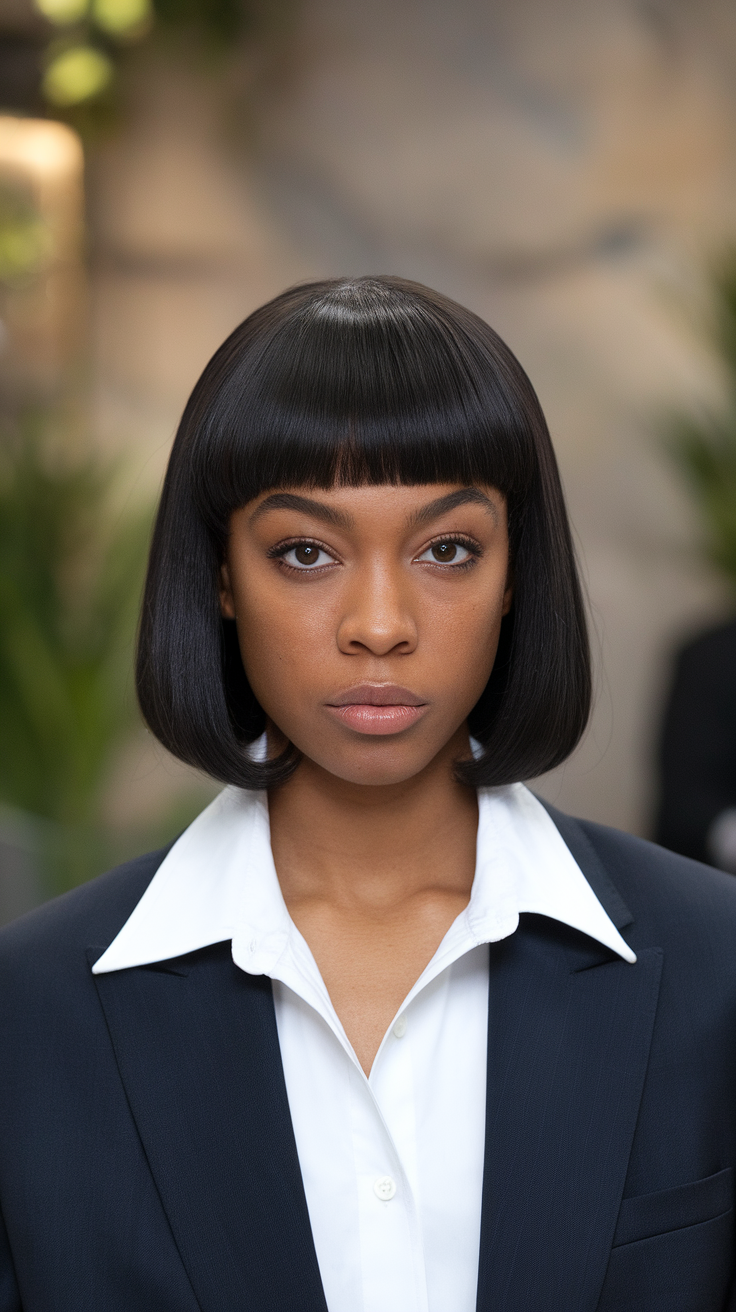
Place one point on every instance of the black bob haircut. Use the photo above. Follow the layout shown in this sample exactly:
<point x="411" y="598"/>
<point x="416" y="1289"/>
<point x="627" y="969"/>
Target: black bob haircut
<point x="346" y="382"/>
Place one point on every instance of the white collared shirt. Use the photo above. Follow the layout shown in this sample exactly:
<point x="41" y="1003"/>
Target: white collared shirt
<point x="392" y="1163"/>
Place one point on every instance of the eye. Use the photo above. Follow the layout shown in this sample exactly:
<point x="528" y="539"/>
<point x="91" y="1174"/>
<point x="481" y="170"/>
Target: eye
<point x="448" y="551"/>
<point x="305" y="556"/>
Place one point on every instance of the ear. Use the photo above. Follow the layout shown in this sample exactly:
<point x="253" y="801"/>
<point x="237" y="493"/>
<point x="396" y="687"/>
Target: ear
<point x="227" y="602"/>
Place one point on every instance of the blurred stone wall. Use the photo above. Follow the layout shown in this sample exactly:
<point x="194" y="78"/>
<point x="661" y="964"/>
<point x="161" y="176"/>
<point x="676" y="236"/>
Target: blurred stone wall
<point x="564" y="167"/>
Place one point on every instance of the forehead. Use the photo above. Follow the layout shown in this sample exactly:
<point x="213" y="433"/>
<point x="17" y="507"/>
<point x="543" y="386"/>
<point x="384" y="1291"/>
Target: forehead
<point x="410" y="505"/>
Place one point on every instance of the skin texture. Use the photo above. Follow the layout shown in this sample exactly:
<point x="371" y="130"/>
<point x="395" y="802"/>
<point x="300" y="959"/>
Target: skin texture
<point x="373" y="840"/>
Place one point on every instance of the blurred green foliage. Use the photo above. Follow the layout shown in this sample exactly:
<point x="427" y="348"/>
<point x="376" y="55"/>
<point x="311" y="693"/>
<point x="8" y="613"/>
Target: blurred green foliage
<point x="88" y="39"/>
<point x="704" y="445"/>
<point x="71" y="569"/>
<point x="221" y="21"/>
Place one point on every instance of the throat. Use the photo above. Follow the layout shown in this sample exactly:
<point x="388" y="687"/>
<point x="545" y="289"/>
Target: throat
<point x="370" y="963"/>
<point x="373" y="878"/>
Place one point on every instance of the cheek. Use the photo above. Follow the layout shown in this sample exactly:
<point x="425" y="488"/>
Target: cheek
<point x="282" y="640"/>
<point x="466" y="646"/>
<point x="469" y="618"/>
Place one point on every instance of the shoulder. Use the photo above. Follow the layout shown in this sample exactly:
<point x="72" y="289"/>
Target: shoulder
<point x="52" y="1029"/>
<point x="670" y="898"/>
<point x="87" y="917"/>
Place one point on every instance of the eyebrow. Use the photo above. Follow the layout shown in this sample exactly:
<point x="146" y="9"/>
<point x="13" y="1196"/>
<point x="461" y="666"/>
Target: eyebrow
<point x="317" y="509"/>
<point x="465" y="496"/>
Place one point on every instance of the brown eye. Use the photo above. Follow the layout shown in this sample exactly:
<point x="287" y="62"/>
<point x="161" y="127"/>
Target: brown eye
<point x="306" y="554"/>
<point x="444" y="551"/>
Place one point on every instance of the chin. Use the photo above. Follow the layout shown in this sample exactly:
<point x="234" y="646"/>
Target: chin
<point x="377" y="762"/>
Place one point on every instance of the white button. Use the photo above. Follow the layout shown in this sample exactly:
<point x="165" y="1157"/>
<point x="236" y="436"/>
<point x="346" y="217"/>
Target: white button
<point x="253" y="944"/>
<point x="400" y="1027"/>
<point x="384" y="1188"/>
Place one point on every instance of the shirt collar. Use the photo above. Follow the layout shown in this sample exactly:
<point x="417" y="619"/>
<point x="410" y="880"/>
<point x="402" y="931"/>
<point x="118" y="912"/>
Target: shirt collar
<point x="218" y="883"/>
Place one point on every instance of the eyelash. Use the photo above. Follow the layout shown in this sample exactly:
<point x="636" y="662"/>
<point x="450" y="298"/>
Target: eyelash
<point x="278" y="552"/>
<point x="457" y="539"/>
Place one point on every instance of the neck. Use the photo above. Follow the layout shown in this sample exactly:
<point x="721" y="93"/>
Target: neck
<point x="373" y="878"/>
<point x="347" y="842"/>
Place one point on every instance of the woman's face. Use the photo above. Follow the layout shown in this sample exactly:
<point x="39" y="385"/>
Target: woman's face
<point x="368" y="618"/>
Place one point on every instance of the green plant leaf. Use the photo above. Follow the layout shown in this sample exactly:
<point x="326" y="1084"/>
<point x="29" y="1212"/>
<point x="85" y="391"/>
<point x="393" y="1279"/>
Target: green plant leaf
<point x="71" y="572"/>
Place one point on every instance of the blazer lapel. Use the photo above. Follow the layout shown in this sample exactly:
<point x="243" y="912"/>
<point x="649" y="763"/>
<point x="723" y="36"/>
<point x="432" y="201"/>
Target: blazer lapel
<point x="569" y="1036"/>
<point x="197" y="1048"/>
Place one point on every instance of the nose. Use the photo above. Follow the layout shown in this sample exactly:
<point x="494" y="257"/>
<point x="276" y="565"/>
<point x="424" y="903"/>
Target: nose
<point x="377" y="615"/>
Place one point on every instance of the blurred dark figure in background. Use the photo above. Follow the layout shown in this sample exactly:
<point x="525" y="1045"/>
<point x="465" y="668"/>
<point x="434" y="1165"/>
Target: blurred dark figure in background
<point x="697" y="812"/>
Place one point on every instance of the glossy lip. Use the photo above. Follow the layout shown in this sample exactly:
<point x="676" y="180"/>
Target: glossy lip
<point x="376" y="708"/>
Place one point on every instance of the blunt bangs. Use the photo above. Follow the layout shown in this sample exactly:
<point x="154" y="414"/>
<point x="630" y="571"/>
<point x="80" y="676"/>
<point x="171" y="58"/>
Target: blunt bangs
<point x="365" y="383"/>
<point x="342" y="383"/>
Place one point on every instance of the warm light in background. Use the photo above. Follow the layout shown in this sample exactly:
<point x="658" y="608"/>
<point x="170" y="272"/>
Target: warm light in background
<point x="41" y="162"/>
<point x="44" y="149"/>
<point x="41" y="230"/>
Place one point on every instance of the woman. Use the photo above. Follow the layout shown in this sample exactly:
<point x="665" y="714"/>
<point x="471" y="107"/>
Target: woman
<point x="379" y="1031"/>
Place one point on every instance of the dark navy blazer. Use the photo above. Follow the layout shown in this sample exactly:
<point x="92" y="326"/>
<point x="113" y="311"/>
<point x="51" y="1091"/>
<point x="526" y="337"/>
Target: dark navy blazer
<point x="147" y="1157"/>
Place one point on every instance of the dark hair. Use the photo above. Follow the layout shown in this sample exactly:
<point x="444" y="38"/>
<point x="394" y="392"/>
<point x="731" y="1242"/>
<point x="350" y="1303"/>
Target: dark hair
<point x="345" y="382"/>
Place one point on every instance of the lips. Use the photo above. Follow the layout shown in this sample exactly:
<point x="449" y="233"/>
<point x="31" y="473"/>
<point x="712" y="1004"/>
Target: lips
<point x="377" y="694"/>
<point x="377" y="708"/>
